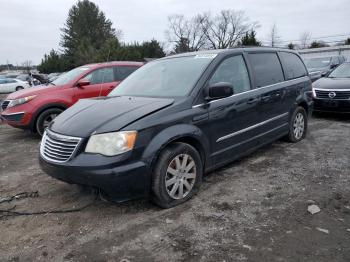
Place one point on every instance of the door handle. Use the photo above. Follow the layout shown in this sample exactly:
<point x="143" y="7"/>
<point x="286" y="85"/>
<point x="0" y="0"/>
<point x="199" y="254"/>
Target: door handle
<point x="252" y="100"/>
<point x="278" y="94"/>
<point x="267" y="97"/>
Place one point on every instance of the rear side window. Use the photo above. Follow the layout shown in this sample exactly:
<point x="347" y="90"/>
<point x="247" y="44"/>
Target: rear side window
<point x="266" y="68"/>
<point x="292" y="65"/>
<point x="232" y="70"/>
<point x="101" y="75"/>
<point x="122" y="72"/>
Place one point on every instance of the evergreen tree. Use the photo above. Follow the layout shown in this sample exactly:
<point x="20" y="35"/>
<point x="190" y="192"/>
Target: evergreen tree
<point x="318" y="44"/>
<point x="85" y="32"/>
<point x="291" y="46"/>
<point x="88" y="37"/>
<point x="249" y="39"/>
<point x="152" y="49"/>
<point x="53" y="62"/>
<point x="182" y="46"/>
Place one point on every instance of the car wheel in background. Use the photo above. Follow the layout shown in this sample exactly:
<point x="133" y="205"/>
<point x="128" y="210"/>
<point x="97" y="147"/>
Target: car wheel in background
<point x="45" y="119"/>
<point x="19" y="88"/>
<point x="177" y="175"/>
<point x="297" y="125"/>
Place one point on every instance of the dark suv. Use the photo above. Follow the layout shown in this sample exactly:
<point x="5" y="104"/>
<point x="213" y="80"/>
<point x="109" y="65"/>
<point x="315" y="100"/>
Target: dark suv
<point x="177" y="118"/>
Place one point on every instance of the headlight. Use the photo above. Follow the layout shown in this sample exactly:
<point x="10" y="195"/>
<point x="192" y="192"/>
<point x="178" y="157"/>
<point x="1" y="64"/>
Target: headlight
<point x="20" y="101"/>
<point x="111" y="144"/>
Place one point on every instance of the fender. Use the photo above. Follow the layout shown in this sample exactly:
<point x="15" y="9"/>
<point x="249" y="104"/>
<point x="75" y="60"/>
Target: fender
<point x="173" y="133"/>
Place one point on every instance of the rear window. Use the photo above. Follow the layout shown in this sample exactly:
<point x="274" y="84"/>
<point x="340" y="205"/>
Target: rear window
<point x="266" y="68"/>
<point x="292" y="65"/>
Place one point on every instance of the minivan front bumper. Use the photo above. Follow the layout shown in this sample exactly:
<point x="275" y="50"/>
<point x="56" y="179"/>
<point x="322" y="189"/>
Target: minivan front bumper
<point x="120" y="183"/>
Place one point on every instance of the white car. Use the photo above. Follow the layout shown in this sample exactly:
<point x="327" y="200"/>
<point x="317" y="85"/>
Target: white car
<point x="9" y="85"/>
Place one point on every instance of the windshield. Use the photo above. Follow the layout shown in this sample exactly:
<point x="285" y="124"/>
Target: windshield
<point x="342" y="71"/>
<point x="174" y="77"/>
<point x="317" y="62"/>
<point x="69" y="76"/>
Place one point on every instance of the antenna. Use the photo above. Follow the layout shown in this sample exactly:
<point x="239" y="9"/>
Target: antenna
<point x="103" y="74"/>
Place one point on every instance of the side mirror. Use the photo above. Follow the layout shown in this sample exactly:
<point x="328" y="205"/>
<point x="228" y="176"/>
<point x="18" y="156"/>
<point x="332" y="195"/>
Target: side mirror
<point x="333" y="66"/>
<point x="82" y="82"/>
<point x="219" y="90"/>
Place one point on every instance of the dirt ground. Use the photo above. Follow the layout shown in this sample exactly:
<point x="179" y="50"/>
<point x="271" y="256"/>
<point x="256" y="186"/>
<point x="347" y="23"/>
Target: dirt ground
<point x="252" y="210"/>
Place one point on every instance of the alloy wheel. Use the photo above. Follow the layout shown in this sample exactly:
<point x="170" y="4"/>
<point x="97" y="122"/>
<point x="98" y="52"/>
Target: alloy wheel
<point x="180" y="176"/>
<point x="48" y="120"/>
<point x="299" y="126"/>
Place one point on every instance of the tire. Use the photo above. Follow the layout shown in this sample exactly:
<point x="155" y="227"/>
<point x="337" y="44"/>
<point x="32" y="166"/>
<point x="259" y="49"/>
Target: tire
<point x="19" y="88"/>
<point x="45" y="118"/>
<point x="166" y="169"/>
<point x="297" y="125"/>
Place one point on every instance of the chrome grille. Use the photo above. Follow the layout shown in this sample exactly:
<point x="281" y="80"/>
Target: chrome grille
<point x="58" y="148"/>
<point x="339" y="94"/>
<point x="5" y="104"/>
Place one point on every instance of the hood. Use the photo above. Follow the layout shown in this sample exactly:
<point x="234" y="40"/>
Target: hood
<point x="105" y="115"/>
<point x="37" y="90"/>
<point x="332" y="83"/>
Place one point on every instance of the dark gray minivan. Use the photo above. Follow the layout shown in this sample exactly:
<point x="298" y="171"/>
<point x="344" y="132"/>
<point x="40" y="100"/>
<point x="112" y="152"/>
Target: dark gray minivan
<point x="175" y="119"/>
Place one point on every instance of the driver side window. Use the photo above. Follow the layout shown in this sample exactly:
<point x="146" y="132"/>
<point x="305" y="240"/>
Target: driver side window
<point x="233" y="70"/>
<point x="99" y="76"/>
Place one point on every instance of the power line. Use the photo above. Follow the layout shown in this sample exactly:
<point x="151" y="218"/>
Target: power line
<point x="311" y="38"/>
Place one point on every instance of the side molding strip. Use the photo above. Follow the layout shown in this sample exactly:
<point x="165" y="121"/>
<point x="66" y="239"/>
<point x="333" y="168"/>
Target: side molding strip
<point x="251" y="127"/>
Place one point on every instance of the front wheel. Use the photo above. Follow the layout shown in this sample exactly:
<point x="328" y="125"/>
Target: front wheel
<point x="297" y="125"/>
<point x="45" y="118"/>
<point x="177" y="175"/>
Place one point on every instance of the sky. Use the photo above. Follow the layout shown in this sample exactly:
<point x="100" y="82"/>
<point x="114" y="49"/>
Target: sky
<point x="29" y="29"/>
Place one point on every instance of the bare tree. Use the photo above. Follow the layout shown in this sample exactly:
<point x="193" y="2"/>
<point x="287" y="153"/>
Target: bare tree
<point x="275" y="38"/>
<point x="305" y="38"/>
<point x="224" y="29"/>
<point x="186" y="34"/>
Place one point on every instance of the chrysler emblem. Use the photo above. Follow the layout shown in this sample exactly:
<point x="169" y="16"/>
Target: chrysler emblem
<point x="332" y="94"/>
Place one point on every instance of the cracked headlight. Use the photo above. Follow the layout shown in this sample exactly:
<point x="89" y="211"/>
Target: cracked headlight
<point x="111" y="144"/>
<point x="20" y="101"/>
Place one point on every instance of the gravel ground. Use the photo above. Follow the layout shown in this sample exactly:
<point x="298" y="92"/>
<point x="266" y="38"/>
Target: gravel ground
<point x="252" y="210"/>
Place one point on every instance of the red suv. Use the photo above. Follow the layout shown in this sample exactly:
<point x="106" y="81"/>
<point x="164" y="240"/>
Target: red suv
<point x="35" y="108"/>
